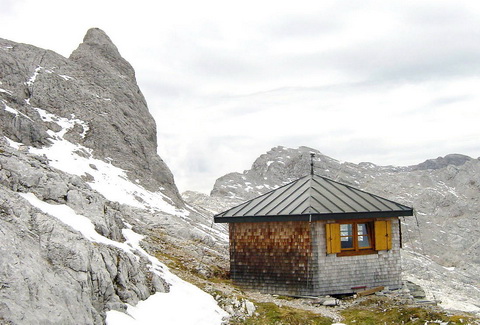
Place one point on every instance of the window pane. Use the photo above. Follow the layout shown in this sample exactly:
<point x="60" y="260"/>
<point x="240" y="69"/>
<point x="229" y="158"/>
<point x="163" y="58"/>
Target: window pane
<point x="346" y="236"/>
<point x="362" y="229"/>
<point x="363" y="241"/>
<point x="346" y="230"/>
<point x="347" y="242"/>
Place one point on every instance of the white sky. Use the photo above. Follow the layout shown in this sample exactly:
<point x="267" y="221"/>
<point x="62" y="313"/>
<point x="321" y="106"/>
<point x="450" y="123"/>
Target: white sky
<point x="390" y="82"/>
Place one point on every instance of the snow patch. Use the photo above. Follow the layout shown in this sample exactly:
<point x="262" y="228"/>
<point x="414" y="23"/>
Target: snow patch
<point x="65" y="123"/>
<point x="185" y="304"/>
<point x="11" y="110"/>
<point x="65" y="77"/>
<point x="14" y="111"/>
<point x="105" y="99"/>
<point x="13" y="144"/>
<point x="8" y="92"/>
<point x="32" y="79"/>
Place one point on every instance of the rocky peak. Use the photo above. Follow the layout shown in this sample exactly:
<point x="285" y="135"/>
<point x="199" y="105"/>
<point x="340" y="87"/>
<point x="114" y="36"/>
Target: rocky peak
<point x="98" y="52"/>
<point x="96" y="37"/>
<point x="441" y="162"/>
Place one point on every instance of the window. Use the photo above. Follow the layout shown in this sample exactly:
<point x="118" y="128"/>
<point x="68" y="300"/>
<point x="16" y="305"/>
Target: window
<point x="357" y="237"/>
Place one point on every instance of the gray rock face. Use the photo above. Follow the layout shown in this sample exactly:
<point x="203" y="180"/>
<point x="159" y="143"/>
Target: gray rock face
<point x="96" y="85"/>
<point x="209" y="205"/>
<point x="445" y="193"/>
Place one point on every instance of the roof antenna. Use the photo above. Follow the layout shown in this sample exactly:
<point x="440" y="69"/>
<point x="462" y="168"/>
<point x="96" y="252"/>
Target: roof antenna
<point x="312" y="155"/>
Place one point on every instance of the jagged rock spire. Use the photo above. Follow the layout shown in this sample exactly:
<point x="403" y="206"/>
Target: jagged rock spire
<point x="96" y="43"/>
<point x="96" y="36"/>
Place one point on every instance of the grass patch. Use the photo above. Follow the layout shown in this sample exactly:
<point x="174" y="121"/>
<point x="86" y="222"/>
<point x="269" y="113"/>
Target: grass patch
<point x="271" y="314"/>
<point x="381" y="310"/>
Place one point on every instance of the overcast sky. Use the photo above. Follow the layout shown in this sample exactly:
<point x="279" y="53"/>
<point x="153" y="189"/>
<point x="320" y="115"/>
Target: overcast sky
<point x="390" y="82"/>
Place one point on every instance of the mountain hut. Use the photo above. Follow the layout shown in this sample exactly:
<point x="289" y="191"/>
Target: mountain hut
<point x="314" y="237"/>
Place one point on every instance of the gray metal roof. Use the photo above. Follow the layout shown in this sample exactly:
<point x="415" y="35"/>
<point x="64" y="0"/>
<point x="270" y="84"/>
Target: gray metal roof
<point x="311" y="198"/>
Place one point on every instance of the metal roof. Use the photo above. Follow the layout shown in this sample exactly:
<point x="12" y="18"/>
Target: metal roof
<point x="311" y="198"/>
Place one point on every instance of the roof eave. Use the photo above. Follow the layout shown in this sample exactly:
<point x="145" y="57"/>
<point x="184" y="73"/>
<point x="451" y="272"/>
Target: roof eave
<point x="315" y="217"/>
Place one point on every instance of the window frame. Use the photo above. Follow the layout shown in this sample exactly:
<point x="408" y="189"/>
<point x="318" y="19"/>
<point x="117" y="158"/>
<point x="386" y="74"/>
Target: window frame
<point x="356" y="250"/>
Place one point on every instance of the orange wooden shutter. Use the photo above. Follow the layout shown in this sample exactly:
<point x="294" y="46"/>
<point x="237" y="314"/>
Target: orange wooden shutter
<point x="383" y="235"/>
<point x="333" y="238"/>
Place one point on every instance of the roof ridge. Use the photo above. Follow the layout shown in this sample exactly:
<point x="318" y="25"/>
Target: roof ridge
<point x="310" y="196"/>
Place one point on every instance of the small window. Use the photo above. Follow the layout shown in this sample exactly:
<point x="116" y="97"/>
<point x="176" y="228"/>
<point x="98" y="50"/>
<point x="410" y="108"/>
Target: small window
<point x="356" y="237"/>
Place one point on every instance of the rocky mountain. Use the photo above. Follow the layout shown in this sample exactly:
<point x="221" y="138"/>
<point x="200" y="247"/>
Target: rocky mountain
<point x="87" y="207"/>
<point x="441" y="242"/>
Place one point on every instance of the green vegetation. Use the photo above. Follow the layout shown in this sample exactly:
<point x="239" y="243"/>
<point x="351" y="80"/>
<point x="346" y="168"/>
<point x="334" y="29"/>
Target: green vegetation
<point x="382" y="310"/>
<point x="371" y="311"/>
<point x="271" y="314"/>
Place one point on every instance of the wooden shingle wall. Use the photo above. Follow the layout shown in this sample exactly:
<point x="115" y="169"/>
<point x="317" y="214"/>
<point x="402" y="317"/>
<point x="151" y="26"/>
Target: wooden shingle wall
<point x="272" y="257"/>
<point x="338" y="275"/>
